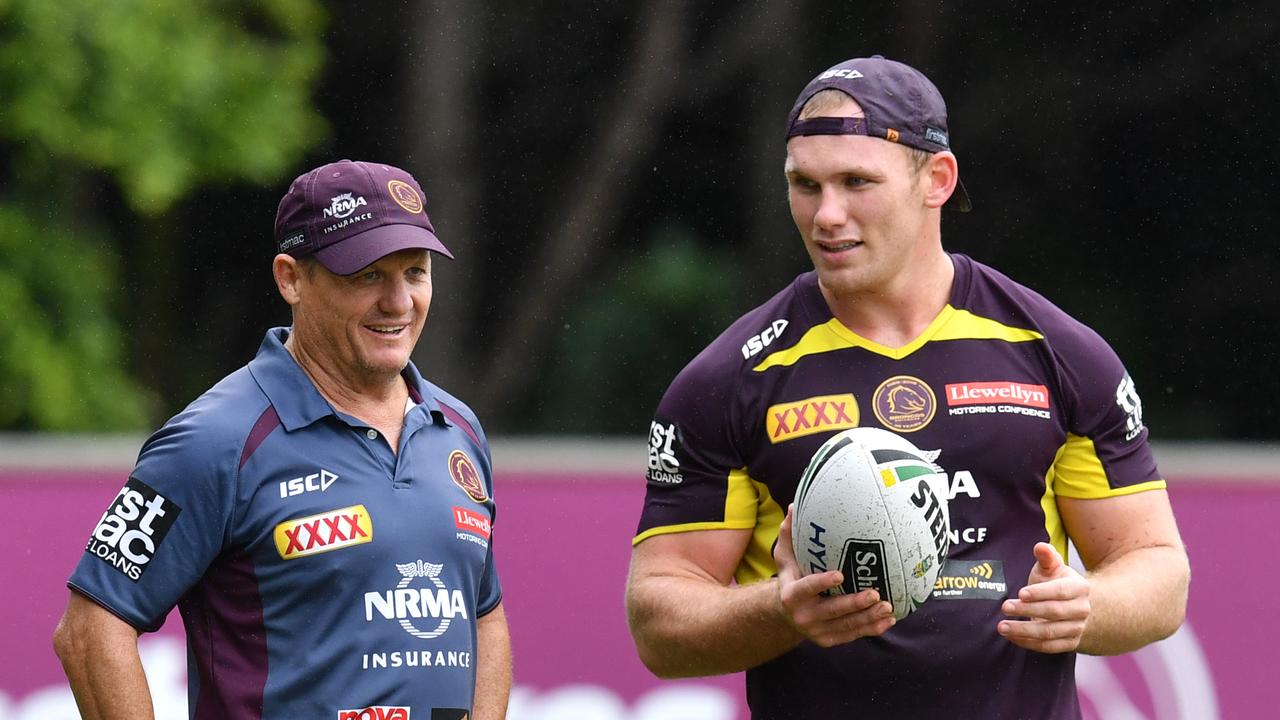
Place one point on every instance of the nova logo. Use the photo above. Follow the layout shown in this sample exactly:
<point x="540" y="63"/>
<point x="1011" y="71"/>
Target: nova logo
<point x="307" y="483"/>
<point x="470" y="521"/>
<point x="811" y="415"/>
<point x="407" y="604"/>
<point x="756" y="343"/>
<point x="343" y="205"/>
<point x="131" y="529"/>
<point x="321" y="533"/>
<point x="377" y="712"/>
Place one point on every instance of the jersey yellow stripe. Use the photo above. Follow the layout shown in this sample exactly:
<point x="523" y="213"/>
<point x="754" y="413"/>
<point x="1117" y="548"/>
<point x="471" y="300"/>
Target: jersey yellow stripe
<point x="747" y="506"/>
<point x="950" y="324"/>
<point x="1079" y="473"/>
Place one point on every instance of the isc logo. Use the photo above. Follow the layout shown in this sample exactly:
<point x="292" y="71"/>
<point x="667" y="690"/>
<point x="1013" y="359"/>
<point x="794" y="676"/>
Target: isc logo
<point x="316" y="534"/>
<point x="756" y="343"/>
<point x="307" y="483"/>
<point x="376" y="712"/>
<point x="132" y="527"/>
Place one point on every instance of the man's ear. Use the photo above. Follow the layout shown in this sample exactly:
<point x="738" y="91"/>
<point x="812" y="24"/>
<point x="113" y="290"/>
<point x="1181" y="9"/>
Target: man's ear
<point x="289" y="274"/>
<point x="940" y="175"/>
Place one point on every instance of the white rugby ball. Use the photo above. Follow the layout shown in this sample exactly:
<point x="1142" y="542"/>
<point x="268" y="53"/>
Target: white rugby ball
<point x="874" y="507"/>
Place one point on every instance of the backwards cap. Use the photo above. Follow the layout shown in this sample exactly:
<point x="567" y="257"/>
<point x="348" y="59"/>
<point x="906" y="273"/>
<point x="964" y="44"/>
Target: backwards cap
<point x="899" y="104"/>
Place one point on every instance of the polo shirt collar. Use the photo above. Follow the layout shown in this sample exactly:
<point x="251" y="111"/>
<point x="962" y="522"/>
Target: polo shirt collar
<point x="295" y="398"/>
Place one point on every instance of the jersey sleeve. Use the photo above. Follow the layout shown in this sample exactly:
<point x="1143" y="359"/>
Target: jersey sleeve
<point x="163" y="528"/>
<point x="1106" y="452"/>
<point x="697" y="479"/>
<point x="490" y="592"/>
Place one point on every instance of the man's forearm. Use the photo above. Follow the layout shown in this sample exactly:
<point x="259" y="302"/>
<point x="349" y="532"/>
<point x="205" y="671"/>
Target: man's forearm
<point x="103" y="667"/>
<point x="1138" y="599"/>
<point x="687" y="627"/>
<point x="493" y="666"/>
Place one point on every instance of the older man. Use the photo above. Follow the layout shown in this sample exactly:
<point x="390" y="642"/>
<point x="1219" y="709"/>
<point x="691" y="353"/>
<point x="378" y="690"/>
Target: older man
<point x="321" y="517"/>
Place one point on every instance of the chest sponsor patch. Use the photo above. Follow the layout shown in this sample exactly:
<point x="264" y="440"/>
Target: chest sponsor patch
<point x="472" y="524"/>
<point x="1000" y="397"/>
<point x="811" y="415"/>
<point x="971" y="580"/>
<point x="377" y="712"/>
<point x="131" y="530"/>
<point x="322" y="533"/>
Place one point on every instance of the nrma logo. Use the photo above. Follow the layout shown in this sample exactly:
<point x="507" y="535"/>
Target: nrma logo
<point x="407" y="604"/>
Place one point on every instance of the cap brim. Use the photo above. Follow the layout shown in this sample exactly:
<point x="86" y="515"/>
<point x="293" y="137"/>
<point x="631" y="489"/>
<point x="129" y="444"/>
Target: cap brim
<point x="959" y="200"/>
<point x="361" y="251"/>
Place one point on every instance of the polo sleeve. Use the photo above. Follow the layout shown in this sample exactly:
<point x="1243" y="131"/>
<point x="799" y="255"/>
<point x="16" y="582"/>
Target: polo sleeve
<point x="161" y="531"/>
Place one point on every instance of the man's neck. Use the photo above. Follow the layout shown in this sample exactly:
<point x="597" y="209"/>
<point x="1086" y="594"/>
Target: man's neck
<point x="901" y="311"/>
<point x="375" y="400"/>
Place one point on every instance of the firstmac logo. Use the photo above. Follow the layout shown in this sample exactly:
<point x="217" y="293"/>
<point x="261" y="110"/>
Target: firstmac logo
<point x="322" y="533"/>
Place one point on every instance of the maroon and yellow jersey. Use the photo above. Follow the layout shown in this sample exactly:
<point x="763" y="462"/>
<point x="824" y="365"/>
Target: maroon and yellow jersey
<point x="1023" y="402"/>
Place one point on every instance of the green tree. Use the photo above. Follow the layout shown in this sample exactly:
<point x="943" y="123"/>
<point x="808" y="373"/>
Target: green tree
<point x="134" y="102"/>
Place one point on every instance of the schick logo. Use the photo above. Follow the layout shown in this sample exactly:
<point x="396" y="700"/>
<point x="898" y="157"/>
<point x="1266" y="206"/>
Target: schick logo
<point x="343" y="205"/>
<point x="131" y="529"/>
<point x="407" y="604"/>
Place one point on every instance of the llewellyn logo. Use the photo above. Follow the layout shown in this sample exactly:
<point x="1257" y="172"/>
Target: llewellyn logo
<point x="979" y="393"/>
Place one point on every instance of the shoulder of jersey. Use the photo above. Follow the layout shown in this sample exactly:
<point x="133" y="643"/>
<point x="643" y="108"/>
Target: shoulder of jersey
<point x="994" y="294"/>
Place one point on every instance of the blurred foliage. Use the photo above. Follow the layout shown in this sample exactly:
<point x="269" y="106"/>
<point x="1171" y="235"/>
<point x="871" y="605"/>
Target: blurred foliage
<point x="164" y="94"/>
<point x="633" y="332"/>
<point x="153" y="100"/>
<point x="60" y="350"/>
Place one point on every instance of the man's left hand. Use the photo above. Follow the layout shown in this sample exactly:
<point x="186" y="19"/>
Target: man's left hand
<point x="1055" y="605"/>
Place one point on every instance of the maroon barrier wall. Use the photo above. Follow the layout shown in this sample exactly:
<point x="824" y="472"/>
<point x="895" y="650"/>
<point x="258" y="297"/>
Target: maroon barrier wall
<point x="562" y="540"/>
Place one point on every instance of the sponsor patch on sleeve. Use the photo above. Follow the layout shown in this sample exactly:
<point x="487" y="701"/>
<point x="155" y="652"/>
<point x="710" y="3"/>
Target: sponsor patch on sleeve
<point x="131" y="530"/>
<point x="666" y="445"/>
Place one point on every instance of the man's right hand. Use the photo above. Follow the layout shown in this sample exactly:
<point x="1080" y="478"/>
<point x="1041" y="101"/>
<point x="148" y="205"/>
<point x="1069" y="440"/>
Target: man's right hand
<point x="825" y="621"/>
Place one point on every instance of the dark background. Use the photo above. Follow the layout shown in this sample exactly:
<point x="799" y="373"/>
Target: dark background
<point x="610" y="177"/>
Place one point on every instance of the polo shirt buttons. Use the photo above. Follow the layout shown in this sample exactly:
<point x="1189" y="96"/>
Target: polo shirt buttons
<point x="372" y="434"/>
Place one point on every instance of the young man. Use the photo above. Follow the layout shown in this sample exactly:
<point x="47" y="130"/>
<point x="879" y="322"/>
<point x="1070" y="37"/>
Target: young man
<point x="1038" y="424"/>
<point x="321" y="516"/>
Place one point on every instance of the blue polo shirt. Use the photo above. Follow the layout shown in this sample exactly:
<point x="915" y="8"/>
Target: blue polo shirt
<point x="318" y="573"/>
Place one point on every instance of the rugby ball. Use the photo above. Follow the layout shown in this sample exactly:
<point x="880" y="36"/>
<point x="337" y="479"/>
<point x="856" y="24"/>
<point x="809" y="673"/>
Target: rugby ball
<point x="873" y="506"/>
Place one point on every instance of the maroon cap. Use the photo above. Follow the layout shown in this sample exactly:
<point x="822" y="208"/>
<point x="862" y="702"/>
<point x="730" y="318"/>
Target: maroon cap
<point x="898" y="102"/>
<point x="349" y="214"/>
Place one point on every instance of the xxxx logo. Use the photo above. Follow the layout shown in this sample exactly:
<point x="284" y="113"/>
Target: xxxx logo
<point x="316" y="534"/>
<point x="811" y="415"/>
